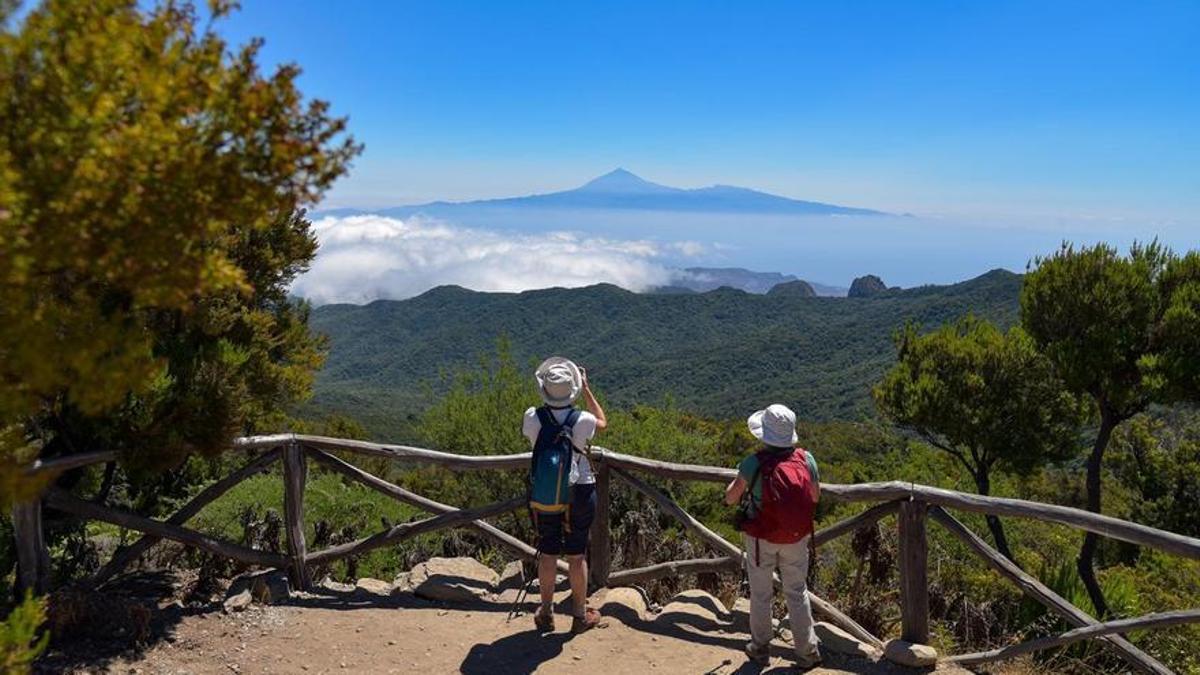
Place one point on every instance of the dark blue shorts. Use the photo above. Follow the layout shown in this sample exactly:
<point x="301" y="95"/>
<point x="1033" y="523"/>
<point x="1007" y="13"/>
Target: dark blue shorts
<point x="554" y="539"/>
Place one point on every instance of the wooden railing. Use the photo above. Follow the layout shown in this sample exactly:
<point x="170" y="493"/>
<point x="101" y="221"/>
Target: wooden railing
<point x="913" y="505"/>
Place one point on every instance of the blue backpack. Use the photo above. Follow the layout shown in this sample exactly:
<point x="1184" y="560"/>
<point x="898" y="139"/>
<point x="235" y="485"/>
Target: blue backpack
<point x="550" y="468"/>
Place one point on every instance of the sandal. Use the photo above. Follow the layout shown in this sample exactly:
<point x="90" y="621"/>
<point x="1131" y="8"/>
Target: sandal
<point x="544" y="621"/>
<point x="589" y="620"/>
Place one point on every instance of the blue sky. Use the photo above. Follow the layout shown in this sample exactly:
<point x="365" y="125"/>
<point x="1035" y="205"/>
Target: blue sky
<point x="996" y="110"/>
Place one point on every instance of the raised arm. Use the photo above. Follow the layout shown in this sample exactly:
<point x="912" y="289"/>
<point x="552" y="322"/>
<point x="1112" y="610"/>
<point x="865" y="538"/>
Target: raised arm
<point x="593" y="406"/>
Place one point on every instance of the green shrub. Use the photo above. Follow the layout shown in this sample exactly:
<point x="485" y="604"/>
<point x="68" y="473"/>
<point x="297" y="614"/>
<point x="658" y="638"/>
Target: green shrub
<point x="20" y="641"/>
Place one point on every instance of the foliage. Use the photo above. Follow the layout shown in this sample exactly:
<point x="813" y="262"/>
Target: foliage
<point x="711" y="354"/>
<point x="1118" y="329"/>
<point x="985" y="397"/>
<point x="20" y="642"/>
<point x="150" y="180"/>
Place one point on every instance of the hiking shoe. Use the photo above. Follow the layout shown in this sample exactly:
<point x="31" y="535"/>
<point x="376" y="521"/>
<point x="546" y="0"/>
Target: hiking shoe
<point x="544" y="621"/>
<point x="760" y="655"/>
<point x="809" y="661"/>
<point x="589" y="620"/>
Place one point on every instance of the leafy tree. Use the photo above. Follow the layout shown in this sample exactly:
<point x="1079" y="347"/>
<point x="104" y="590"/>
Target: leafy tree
<point x="986" y="397"/>
<point x="1124" y="331"/>
<point x="151" y="182"/>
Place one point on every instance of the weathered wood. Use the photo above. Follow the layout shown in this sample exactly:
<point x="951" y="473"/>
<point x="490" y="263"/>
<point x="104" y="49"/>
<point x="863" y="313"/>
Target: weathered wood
<point x="60" y="464"/>
<point x="33" y="559"/>
<point x="914" y="582"/>
<point x="673" y="568"/>
<point x="68" y="503"/>
<point x="127" y="554"/>
<point x="407" y="497"/>
<point x="295" y="475"/>
<point x="1159" y="620"/>
<point x="412" y="529"/>
<point x="732" y="550"/>
<point x="259" y="442"/>
<point x="1040" y="592"/>
<point x="411" y="454"/>
<point x="665" y="469"/>
<point x="600" y="549"/>
<point x="1092" y="522"/>
<point x="847" y="525"/>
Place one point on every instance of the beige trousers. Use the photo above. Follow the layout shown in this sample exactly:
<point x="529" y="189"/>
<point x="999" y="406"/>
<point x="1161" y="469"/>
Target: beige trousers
<point x="792" y="562"/>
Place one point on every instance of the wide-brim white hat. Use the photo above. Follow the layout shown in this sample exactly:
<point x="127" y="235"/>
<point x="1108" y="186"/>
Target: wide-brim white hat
<point x="775" y="426"/>
<point x="558" y="381"/>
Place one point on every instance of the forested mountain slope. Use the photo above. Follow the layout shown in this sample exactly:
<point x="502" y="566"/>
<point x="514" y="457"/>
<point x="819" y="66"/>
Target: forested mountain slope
<point x="720" y="353"/>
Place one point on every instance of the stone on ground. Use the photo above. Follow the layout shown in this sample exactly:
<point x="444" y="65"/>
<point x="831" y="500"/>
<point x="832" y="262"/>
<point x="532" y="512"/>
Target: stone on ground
<point x="402" y="583"/>
<point x="837" y="640"/>
<point x="238" y="601"/>
<point x="512" y="576"/>
<point x="706" y="609"/>
<point x="268" y="587"/>
<point x="909" y="654"/>
<point x="373" y="586"/>
<point x="336" y="586"/>
<point x="623" y="603"/>
<point x="454" y="579"/>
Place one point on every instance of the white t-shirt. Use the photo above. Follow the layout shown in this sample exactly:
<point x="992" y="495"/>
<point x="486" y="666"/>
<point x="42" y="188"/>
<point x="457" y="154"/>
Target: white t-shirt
<point x="584" y="430"/>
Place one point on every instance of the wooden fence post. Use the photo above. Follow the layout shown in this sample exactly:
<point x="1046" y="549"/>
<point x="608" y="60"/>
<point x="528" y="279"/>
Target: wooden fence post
<point x="601" y="535"/>
<point x="914" y="584"/>
<point x="295" y="472"/>
<point x="33" y="559"/>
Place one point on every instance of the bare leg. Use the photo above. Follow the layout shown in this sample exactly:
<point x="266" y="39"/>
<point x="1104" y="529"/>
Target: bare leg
<point x="578" y="574"/>
<point x="547" y="571"/>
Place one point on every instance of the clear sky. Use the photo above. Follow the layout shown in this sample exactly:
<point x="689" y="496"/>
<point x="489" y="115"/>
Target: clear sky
<point x="1047" y="109"/>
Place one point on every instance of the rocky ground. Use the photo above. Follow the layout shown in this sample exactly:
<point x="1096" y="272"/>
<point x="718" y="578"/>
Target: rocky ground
<point x="442" y="618"/>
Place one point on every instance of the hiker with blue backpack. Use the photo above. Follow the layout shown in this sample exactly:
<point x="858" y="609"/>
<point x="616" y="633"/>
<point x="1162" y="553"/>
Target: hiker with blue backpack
<point x="562" y="488"/>
<point x="777" y="489"/>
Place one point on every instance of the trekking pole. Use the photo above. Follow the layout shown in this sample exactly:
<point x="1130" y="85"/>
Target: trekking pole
<point x="524" y="592"/>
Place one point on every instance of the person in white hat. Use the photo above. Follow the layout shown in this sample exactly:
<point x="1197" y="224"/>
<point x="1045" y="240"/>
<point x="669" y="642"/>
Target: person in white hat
<point x="779" y="488"/>
<point x="559" y="383"/>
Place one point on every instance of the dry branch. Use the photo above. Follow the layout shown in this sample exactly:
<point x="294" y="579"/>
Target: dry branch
<point x="673" y="568"/>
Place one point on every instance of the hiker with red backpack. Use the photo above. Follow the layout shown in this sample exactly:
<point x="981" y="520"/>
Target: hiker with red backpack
<point x="562" y="488"/>
<point x="777" y="488"/>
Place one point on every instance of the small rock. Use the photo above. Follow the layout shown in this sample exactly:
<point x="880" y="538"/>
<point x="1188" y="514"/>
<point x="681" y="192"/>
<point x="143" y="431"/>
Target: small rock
<point x="269" y="587"/>
<point x="454" y="579"/>
<point x="371" y="586"/>
<point x="391" y="643"/>
<point x="618" y="601"/>
<point x="238" y="602"/>
<point x="577" y="657"/>
<point x="837" y="640"/>
<point x="402" y="583"/>
<point x="512" y="576"/>
<point x="443" y="612"/>
<point x="909" y="653"/>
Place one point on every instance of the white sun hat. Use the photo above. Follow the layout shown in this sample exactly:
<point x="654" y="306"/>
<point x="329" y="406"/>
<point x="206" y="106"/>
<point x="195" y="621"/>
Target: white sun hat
<point x="558" y="381"/>
<point x="774" y="426"/>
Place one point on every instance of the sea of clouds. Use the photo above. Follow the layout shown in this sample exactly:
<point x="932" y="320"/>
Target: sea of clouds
<point x="370" y="257"/>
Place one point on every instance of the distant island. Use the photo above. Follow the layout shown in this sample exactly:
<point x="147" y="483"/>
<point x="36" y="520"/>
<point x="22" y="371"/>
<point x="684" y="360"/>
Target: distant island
<point x="622" y="190"/>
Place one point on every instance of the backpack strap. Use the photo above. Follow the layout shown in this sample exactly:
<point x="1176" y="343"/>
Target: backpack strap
<point x="546" y="417"/>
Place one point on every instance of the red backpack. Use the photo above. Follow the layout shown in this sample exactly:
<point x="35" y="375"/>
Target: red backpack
<point x="789" y="497"/>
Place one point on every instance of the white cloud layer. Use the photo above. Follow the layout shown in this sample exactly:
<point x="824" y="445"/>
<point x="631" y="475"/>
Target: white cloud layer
<point x="369" y="257"/>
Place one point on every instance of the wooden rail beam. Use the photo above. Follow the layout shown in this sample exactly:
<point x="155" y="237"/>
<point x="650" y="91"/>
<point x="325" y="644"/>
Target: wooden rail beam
<point x="1042" y="593"/>
<point x="68" y="503"/>
<point x="1159" y="620"/>
<point x="127" y="554"/>
<point x="413" y="499"/>
<point x="674" y="568"/>
<point x="33" y="558"/>
<point x="412" y="529"/>
<point x="295" y="475"/>
<point x="914" y="580"/>
<point x="732" y="550"/>
<point x="412" y="454"/>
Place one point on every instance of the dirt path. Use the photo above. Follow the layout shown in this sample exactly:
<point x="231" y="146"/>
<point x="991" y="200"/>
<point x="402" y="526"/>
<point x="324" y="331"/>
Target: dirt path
<point x="358" y="633"/>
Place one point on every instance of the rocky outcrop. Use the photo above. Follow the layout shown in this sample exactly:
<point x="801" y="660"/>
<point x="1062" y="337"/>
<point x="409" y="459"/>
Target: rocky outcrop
<point x="793" y="289"/>
<point x="626" y="604"/>
<point x="267" y="587"/>
<point x="910" y="654"/>
<point x="453" y="580"/>
<point x="696" y="608"/>
<point x="369" y="586"/>
<point x="866" y="287"/>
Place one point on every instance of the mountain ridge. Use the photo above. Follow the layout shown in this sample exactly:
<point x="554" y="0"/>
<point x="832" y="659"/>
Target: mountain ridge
<point x="718" y="353"/>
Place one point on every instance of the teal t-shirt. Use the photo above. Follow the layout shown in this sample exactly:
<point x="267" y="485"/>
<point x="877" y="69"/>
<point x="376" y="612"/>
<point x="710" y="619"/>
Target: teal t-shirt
<point x="749" y="466"/>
